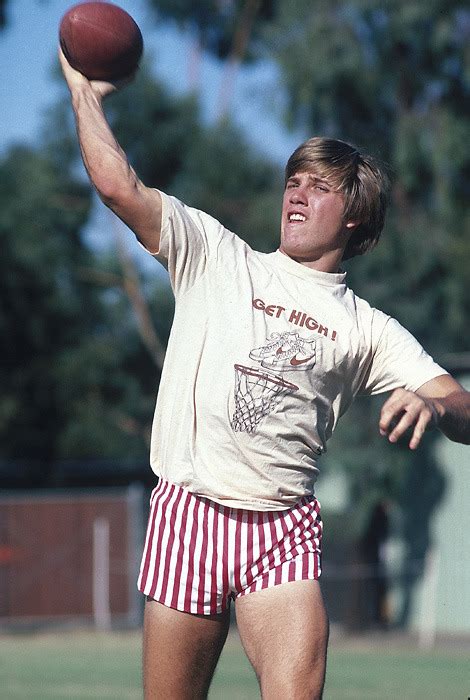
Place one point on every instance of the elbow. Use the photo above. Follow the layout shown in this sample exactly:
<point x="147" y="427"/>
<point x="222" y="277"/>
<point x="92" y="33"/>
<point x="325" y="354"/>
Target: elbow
<point x="112" y="193"/>
<point x="108" y="190"/>
<point x="113" y="182"/>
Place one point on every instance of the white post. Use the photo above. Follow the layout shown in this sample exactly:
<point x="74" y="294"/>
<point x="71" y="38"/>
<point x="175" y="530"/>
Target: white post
<point x="101" y="611"/>
<point x="135" y="540"/>
<point x="427" y="626"/>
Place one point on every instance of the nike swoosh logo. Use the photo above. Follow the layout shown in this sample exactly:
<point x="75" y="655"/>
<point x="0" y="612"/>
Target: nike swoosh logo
<point x="295" y="362"/>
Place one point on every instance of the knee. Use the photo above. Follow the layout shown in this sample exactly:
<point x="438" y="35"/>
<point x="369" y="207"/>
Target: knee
<point x="292" y="688"/>
<point x="303" y="682"/>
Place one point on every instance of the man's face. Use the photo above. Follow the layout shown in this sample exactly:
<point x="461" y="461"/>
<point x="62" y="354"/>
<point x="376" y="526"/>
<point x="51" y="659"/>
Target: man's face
<point x="312" y="225"/>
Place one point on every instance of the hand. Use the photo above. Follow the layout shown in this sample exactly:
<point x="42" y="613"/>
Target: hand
<point x="76" y="80"/>
<point x="404" y="410"/>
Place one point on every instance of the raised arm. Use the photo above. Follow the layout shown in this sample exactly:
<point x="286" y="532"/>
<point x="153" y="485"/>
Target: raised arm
<point x="441" y="402"/>
<point x="117" y="184"/>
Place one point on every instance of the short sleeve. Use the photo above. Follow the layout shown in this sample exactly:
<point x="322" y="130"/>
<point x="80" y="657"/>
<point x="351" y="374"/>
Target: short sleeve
<point x="399" y="361"/>
<point x="188" y="238"/>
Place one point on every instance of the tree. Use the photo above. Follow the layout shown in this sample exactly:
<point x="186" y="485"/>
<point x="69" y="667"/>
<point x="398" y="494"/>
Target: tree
<point x="74" y="377"/>
<point x="60" y="358"/>
<point x="392" y="77"/>
<point x="228" y="30"/>
<point x="77" y="378"/>
<point x="216" y="23"/>
<point x="171" y="149"/>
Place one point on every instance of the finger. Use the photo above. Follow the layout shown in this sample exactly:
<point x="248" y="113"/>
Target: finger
<point x="64" y="64"/>
<point x="424" y="421"/>
<point x="72" y="76"/>
<point x="390" y="422"/>
<point x="66" y="67"/>
<point x="103" y="88"/>
<point x="391" y="411"/>
<point x="407" y="420"/>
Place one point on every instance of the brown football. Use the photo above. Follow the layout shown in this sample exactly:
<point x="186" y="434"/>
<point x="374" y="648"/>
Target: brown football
<point x="101" y="40"/>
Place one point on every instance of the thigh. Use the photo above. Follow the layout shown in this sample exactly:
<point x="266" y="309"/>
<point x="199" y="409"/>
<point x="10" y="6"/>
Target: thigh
<point x="180" y="651"/>
<point x="284" y="630"/>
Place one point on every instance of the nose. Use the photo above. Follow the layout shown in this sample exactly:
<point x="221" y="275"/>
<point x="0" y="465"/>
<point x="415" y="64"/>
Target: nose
<point x="298" y="195"/>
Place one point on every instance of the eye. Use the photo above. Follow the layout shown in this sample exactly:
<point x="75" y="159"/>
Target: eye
<point x="322" y="188"/>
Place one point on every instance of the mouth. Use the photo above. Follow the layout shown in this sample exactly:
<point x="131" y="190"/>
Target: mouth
<point x="296" y="218"/>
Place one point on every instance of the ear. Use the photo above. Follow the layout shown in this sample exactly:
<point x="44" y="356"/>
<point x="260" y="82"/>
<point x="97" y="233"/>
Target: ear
<point x="352" y="224"/>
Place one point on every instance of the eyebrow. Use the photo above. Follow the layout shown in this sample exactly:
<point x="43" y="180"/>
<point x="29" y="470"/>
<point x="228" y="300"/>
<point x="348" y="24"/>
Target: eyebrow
<point x="317" y="180"/>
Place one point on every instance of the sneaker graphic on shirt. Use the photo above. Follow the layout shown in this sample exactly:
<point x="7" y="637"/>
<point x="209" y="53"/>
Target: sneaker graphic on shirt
<point x="286" y="351"/>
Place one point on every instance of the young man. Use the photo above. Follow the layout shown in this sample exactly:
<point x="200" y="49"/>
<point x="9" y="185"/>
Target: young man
<point x="266" y="352"/>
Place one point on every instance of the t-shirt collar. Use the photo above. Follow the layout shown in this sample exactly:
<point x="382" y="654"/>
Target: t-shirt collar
<point x="295" y="268"/>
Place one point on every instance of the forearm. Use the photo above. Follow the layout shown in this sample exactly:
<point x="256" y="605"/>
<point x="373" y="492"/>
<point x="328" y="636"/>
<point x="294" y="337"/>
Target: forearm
<point x="117" y="184"/>
<point x="454" y="416"/>
<point x="105" y="161"/>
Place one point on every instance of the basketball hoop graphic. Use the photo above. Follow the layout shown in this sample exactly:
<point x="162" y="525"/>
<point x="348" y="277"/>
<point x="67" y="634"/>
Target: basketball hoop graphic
<point x="257" y="393"/>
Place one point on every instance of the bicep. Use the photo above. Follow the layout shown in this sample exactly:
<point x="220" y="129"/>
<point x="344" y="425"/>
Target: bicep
<point x="439" y="387"/>
<point x="140" y="208"/>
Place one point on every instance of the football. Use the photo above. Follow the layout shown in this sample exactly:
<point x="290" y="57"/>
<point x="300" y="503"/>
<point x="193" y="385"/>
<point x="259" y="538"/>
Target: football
<point x="101" y="40"/>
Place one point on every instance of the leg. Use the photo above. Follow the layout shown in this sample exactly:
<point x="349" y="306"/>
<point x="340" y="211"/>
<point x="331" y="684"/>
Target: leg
<point x="180" y="652"/>
<point x="284" y="631"/>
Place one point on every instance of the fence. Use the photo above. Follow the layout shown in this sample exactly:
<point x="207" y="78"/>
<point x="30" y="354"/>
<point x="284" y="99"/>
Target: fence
<point x="71" y="555"/>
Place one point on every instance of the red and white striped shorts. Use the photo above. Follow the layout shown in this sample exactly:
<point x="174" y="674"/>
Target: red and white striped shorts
<point x="199" y="554"/>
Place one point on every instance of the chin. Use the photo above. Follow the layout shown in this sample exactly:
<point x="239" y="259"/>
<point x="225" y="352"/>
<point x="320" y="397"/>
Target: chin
<point x="292" y="251"/>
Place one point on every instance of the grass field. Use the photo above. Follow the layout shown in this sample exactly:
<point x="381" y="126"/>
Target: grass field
<point x="84" y="664"/>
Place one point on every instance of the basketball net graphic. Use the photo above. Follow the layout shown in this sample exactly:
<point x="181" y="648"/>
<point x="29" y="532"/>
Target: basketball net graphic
<point x="259" y="391"/>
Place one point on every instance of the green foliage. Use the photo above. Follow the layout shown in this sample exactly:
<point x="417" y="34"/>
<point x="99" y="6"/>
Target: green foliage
<point x="171" y="149"/>
<point x="35" y="275"/>
<point x="393" y="78"/>
<point x="353" y="68"/>
<point x="155" y="129"/>
<point x="78" y="382"/>
<point x="61" y="364"/>
<point x="232" y="183"/>
<point x="3" y="19"/>
<point x="215" y="22"/>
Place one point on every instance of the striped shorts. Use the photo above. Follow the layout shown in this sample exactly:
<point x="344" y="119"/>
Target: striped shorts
<point x="198" y="554"/>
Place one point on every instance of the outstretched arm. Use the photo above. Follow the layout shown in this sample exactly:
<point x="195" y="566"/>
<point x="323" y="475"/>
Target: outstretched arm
<point x="441" y="402"/>
<point x="106" y="163"/>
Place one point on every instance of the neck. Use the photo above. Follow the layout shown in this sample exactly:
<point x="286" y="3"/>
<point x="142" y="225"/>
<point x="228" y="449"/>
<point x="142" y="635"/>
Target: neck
<point x="326" y="262"/>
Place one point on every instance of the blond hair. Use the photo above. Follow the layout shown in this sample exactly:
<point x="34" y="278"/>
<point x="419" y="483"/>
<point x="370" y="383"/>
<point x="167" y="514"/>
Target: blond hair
<point x="363" y="183"/>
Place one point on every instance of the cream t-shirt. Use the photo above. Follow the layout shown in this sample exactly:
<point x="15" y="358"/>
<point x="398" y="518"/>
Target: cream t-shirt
<point x="264" y="356"/>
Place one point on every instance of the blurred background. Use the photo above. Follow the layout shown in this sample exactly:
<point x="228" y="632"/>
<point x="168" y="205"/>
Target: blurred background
<point x="227" y="89"/>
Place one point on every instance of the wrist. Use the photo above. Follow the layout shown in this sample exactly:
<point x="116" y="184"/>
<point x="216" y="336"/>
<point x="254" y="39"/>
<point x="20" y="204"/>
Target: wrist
<point x="439" y="411"/>
<point x="83" y="92"/>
